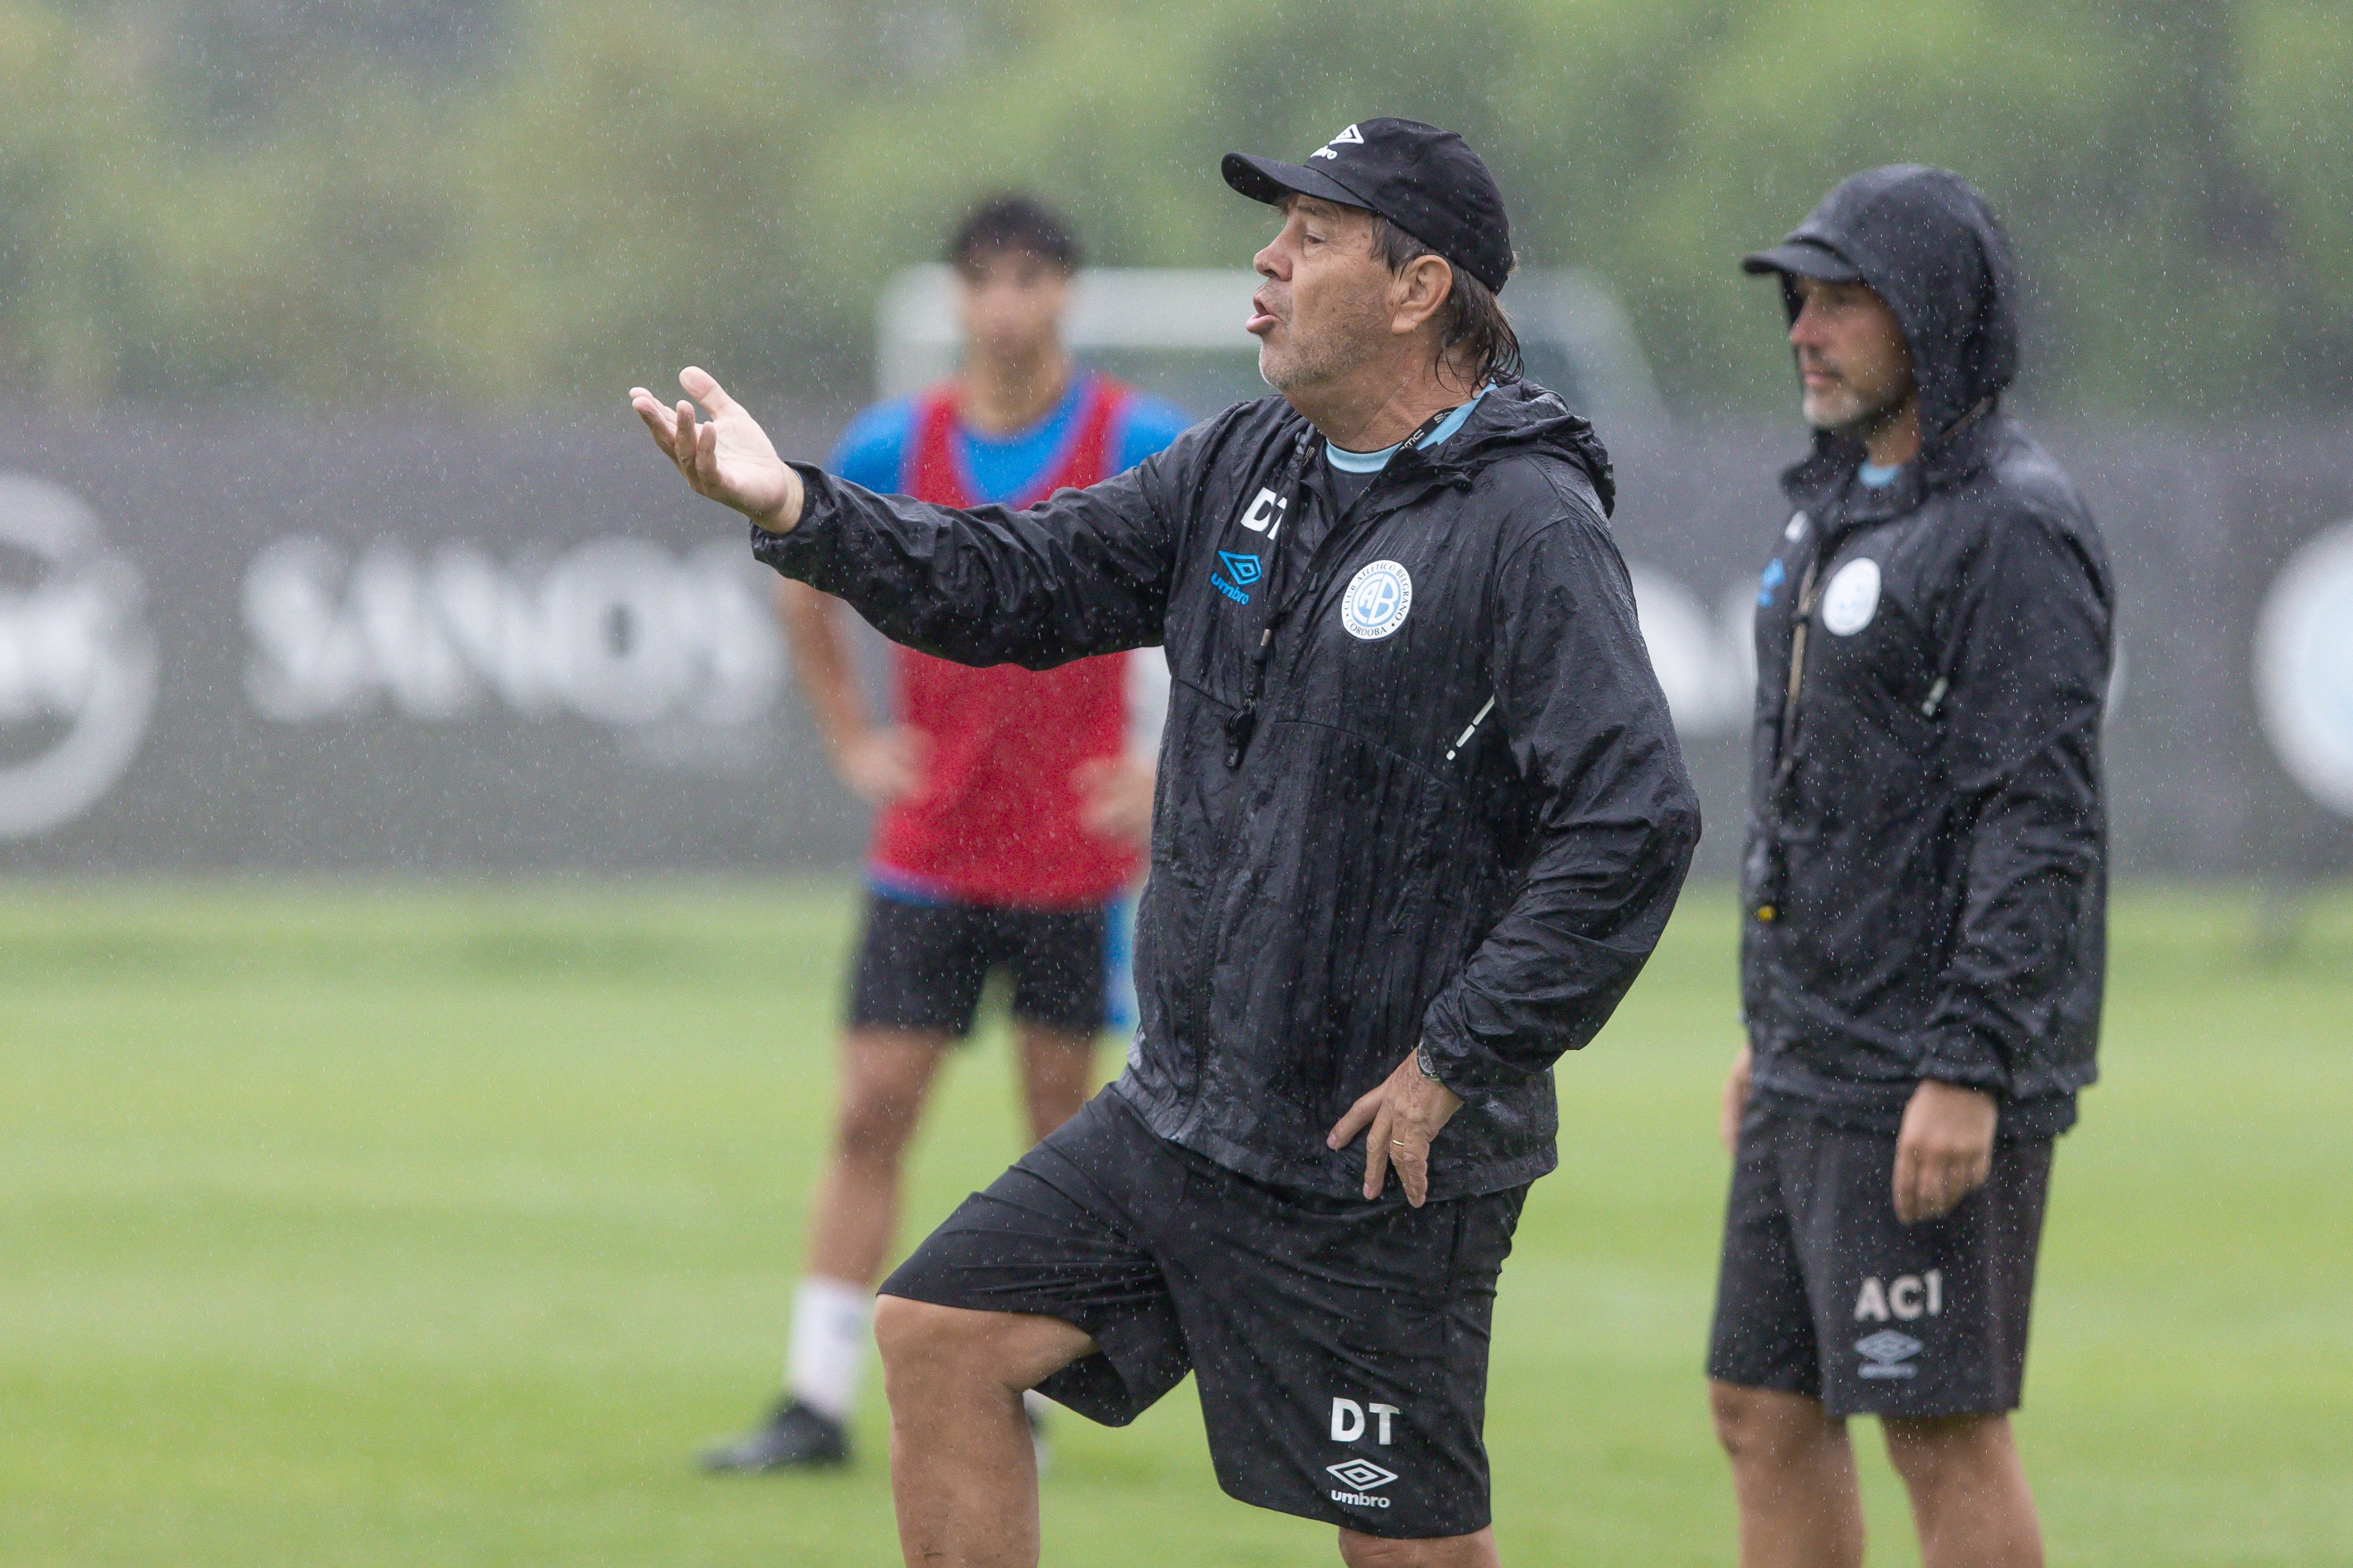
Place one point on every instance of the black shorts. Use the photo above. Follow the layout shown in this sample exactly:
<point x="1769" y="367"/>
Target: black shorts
<point x="1341" y="1346"/>
<point x="922" y="966"/>
<point x="1824" y="1292"/>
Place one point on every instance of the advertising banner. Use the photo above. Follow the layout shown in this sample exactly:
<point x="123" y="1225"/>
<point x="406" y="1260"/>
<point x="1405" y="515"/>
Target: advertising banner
<point x="448" y="650"/>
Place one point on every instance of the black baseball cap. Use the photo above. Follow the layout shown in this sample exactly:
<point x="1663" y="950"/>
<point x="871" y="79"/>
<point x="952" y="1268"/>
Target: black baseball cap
<point x="1425" y="181"/>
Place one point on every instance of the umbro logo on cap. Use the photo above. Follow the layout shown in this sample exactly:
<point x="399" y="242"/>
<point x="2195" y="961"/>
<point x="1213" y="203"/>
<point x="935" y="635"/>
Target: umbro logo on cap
<point x="1332" y="149"/>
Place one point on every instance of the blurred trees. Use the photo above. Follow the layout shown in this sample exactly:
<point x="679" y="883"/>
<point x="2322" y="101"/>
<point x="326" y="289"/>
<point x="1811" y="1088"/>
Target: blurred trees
<point x="513" y="201"/>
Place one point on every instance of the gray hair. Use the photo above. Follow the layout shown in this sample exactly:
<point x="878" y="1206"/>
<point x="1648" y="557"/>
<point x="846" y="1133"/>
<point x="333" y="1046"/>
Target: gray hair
<point x="1471" y="327"/>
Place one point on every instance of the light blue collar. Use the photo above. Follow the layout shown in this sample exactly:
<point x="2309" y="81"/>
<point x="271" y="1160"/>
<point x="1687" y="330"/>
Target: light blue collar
<point x="1349" y="462"/>
<point x="1878" y="476"/>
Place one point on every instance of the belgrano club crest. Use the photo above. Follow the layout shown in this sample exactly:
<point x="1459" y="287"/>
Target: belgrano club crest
<point x="1377" y="601"/>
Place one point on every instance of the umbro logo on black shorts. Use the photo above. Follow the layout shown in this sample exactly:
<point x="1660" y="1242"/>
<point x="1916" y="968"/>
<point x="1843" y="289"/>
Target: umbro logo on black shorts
<point x="1362" y="1474"/>
<point x="1362" y="1477"/>
<point x="1888" y="1352"/>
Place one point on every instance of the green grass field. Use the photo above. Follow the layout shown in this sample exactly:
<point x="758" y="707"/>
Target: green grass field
<point x="439" y="1228"/>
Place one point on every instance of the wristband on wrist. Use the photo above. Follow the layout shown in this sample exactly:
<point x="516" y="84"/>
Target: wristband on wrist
<point x="1421" y="1059"/>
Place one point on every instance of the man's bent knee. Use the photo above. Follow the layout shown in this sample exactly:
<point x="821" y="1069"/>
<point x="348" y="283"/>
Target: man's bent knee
<point x="920" y="1339"/>
<point x="911" y="1333"/>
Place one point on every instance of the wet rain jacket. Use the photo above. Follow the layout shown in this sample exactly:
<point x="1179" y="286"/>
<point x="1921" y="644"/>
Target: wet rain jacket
<point x="1925" y="882"/>
<point x="1449" y="803"/>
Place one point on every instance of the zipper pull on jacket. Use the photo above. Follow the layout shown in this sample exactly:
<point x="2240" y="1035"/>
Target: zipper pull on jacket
<point x="1243" y="721"/>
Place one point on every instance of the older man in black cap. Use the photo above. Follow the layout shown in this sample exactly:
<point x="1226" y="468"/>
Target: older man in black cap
<point x="1420" y="819"/>
<point x="1924" y="893"/>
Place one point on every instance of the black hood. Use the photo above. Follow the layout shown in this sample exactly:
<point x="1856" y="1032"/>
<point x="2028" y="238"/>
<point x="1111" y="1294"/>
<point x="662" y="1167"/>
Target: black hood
<point x="1517" y="415"/>
<point x="1928" y="243"/>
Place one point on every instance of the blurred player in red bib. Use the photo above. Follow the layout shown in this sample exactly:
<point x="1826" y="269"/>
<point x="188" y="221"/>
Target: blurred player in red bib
<point x="1012" y="806"/>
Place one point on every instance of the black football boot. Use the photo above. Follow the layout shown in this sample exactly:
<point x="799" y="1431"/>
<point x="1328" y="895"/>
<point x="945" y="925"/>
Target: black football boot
<point x="795" y="1438"/>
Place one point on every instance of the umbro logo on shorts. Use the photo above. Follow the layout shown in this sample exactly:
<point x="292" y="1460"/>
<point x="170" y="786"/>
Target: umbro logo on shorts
<point x="1889" y="1353"/>
<point x="1350" y="1423"/>
<point x="1362" y="1474"/>
<point x="1362" y="1478"/>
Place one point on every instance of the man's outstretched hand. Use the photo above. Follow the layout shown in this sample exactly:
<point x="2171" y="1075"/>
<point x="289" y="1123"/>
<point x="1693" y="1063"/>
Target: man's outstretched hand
<point x="730" y="458"/>
<point x="1399" y="1119"/>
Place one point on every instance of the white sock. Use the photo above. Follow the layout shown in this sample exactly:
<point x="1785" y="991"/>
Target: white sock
<point x="825" y="1359"/>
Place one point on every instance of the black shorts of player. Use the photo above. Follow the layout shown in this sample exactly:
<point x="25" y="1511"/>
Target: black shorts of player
<point x="922" y="966"/>
<point x="1823" y="1292"/>
<point x="1340" y="1345"/>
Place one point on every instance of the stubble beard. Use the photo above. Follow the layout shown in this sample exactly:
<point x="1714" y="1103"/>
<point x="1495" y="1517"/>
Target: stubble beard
<point x="1273" y="368"/>
<point x="1846" y="413"/>
<point x="1306" y="361"/>
<point x="1290" y="366"/>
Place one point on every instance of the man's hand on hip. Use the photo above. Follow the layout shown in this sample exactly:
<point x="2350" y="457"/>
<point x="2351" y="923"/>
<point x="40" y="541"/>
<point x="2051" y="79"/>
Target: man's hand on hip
<point x="1116" y="798"/>
<point x="883" y="765"/>
<point x="730" y="458"/>
<point x="1399" y="1119"/>
<point x="1944" y="1151"/>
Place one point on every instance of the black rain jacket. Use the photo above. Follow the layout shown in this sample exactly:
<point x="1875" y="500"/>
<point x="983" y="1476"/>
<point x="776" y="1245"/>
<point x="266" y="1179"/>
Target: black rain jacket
<point x="1449" y="803"/>
<point x="1925" y="880"/>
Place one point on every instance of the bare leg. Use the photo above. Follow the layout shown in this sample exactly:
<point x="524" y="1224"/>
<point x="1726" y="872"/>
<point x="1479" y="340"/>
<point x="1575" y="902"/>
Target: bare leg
<point x="1057" y="1071"/>
<point x="963" y="1471"/>
<point x="1474" y="1551"/>
<point x="886" y="1075"/>
<point x="1793" y="1473"/>
<point x="1969" y="1497"/>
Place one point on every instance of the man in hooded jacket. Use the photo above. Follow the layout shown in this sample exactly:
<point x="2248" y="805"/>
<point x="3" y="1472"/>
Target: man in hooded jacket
<point x="1922" y="892"/>
<point x="1420" y="820"/>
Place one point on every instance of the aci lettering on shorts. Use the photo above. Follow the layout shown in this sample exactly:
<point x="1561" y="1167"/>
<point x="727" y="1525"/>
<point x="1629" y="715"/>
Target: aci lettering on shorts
<point x="1888" y="1353"/>
<point x="1351" y="1422"/>
<point x="1906" y="1297"/>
